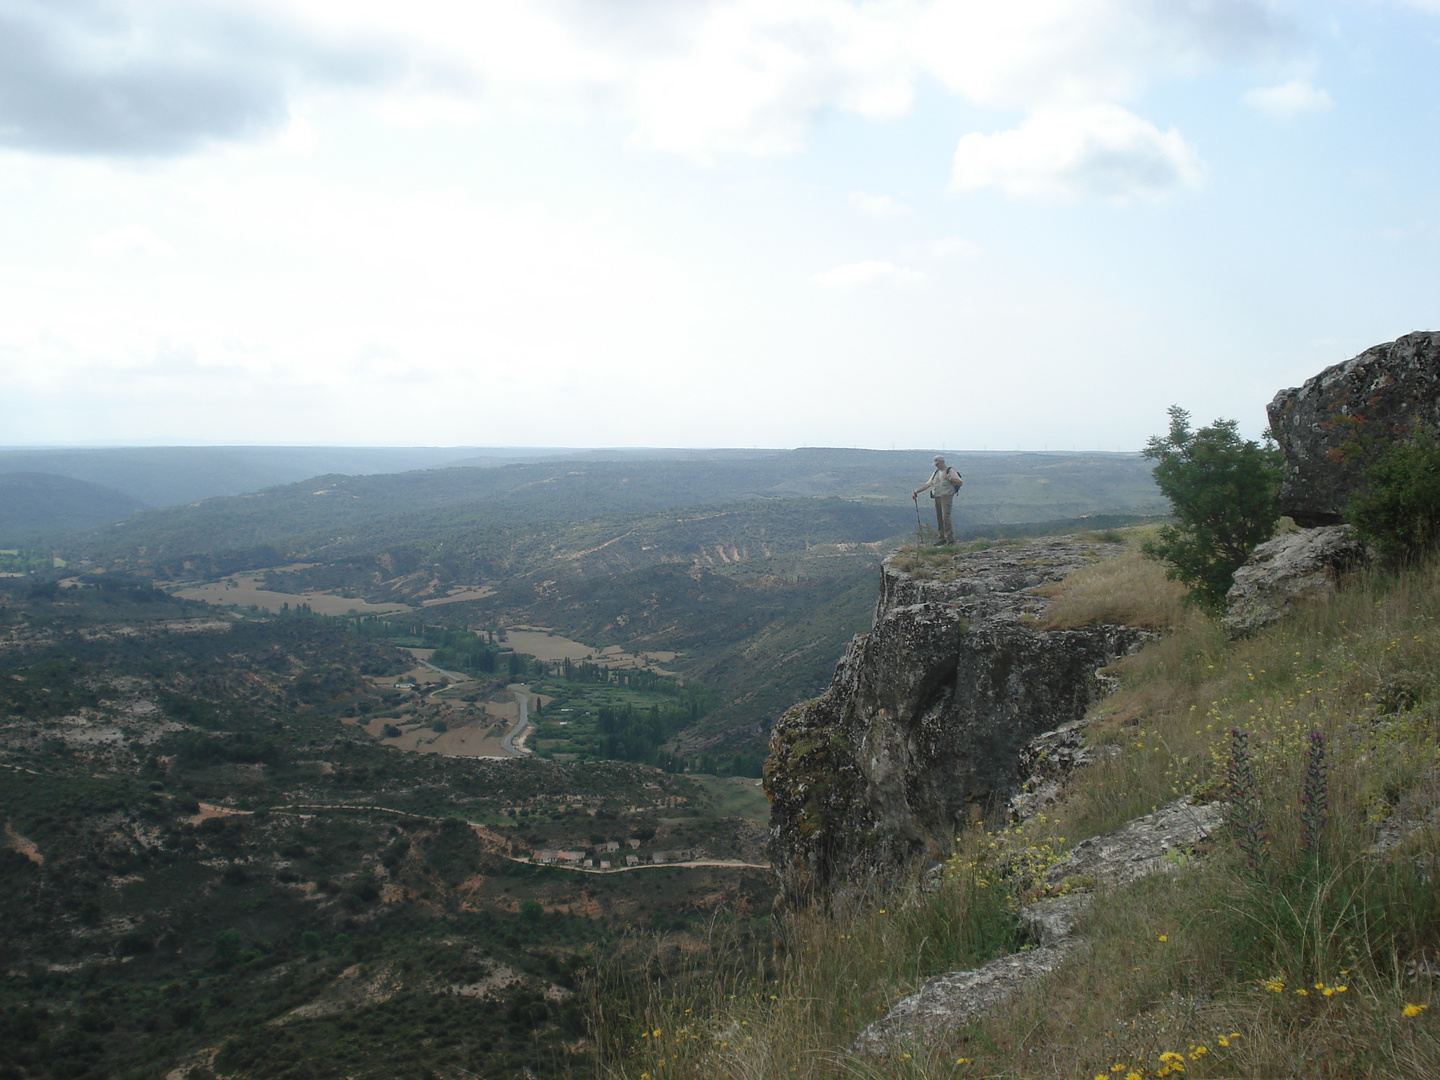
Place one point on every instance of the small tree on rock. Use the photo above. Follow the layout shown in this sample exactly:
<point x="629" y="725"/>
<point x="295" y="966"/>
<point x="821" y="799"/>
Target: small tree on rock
<point x="1222" y="492"/>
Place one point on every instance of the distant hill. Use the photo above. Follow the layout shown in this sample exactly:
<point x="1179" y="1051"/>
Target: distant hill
<point x="177" y="475"/>
<point x="335" y="513"/>
<point x="1003" y="487"/>
<point x="35" y="505"/>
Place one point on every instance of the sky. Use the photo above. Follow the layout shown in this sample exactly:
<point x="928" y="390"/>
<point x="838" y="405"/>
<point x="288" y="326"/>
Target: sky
<point x="949" y="224"/>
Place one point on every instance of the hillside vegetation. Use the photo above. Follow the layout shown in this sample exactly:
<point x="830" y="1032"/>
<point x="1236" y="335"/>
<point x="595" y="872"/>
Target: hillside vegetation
<point x="1302" y="942"/>
<point x="206" y="863"/>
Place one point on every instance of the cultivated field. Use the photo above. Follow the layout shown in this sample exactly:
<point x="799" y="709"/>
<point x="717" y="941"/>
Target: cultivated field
<point x="244" y="590"/>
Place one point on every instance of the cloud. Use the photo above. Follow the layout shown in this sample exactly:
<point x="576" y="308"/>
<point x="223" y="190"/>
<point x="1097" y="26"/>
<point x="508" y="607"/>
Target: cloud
<point x="159" y="78"/>
<point x="695" y="78"/>
<point x="1288" y="99"/>
<point x="858" y="275"/>
<point x="1061" y="155"/>
<point x="706" y="78"/>
<point x="128" y="241"/>
<point x="875" y="205"/>
<point x="1066" y="51"/>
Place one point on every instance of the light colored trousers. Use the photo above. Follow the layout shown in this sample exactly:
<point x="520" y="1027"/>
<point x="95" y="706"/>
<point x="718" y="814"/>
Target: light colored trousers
<point x="943" y="503"/>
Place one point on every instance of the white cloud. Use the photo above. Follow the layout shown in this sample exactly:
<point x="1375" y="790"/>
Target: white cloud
<point x="1060" y="155"/>
<point x="1047" y="52"/>
<point x="698" y="78"/>
<point x="857" y="275"/>
<point x="128" y="241"/>
<point x="875" y="205"/>
<point x="703" y="78"/>
<point x="1288" y="99"/>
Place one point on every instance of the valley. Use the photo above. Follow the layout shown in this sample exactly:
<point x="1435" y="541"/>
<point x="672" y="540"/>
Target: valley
<point x="330" y="773"/>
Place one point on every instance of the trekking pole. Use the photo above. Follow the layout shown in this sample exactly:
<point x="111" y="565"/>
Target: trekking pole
<point x="916" y="500"/>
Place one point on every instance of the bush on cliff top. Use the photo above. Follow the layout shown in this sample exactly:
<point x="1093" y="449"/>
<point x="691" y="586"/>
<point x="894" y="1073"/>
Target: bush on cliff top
<point x="1222" y="491"/>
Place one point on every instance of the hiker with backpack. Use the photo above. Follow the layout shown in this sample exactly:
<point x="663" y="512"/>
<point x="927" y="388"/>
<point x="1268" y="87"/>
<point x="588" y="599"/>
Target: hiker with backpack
<point x="944" y="482"/>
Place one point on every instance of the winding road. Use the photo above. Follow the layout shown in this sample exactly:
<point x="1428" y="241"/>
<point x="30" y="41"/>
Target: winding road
<point x="522" y="721"/>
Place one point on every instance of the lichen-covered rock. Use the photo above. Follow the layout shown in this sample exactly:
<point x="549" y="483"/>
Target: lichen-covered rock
<point x="1157" y="842"/>
<point x="927" y="715"/>
<point x="1280" y="573"/>
<point x="948" y="1001"/>
<point x="1383" y="393"/>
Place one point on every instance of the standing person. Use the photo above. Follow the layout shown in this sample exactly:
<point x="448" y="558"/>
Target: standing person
<point x="942" y="485"/>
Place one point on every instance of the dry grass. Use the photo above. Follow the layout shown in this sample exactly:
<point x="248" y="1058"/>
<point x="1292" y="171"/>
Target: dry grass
<point x="1128" y="588"/>
<point x="1193" y="959"/>
<point x="749" y="1007"/>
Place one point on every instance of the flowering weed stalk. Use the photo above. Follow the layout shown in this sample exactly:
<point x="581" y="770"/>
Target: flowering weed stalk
<point x="1315" y="802"/>
<point x="1243" y="796"/>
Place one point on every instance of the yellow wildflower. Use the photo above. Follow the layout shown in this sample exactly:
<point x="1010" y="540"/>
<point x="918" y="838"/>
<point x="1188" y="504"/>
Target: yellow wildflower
<point x="1414" y="1010"/>
<point x="1164" y="937"/>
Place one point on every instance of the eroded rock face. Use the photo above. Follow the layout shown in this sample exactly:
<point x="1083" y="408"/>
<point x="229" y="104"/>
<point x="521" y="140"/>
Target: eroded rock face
<point x="926" y="717"/>
<point x="1384" y="392"/>
<point x="1282" y="572"/>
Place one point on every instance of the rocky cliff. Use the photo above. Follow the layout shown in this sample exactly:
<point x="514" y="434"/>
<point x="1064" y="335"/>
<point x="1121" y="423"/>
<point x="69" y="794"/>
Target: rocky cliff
<point x="1381" y="394"/>
<point x="925" y="719"/>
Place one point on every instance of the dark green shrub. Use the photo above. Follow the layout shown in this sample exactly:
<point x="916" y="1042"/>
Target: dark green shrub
<point x="1397" y="508"/>
<point x="1222" y="492"/>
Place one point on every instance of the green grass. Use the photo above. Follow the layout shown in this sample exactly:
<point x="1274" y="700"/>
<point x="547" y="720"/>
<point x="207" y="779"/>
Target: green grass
<point x="1226" y="962"/>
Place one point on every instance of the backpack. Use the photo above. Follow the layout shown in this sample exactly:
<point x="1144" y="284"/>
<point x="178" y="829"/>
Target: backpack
<point x="957" y="483"/>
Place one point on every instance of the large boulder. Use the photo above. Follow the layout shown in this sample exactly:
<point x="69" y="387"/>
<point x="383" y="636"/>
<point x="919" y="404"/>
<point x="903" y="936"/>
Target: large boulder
<point x="1383" y="393"/>
<point x="1281" y="573"/>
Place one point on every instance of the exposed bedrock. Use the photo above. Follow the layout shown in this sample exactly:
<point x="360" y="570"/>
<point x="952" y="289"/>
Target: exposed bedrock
<point x="926" y="717"/>
<point x="1382" y="394"/>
